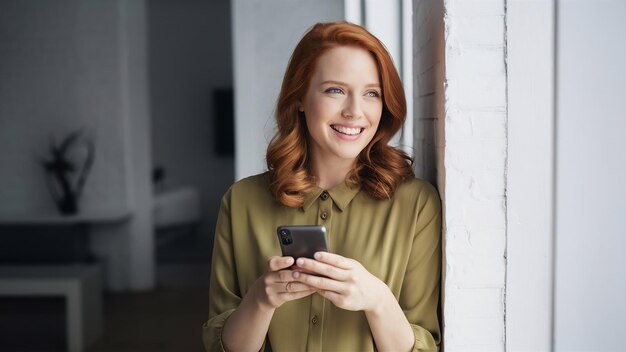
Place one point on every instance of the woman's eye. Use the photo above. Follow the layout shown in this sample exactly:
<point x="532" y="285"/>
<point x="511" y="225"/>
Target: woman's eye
<point x="334" y="90"/>
<point x="373" y="94"/>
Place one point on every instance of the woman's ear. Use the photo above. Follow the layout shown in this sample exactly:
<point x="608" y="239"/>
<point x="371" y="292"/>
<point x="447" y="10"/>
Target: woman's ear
<point x="300" y="107"/>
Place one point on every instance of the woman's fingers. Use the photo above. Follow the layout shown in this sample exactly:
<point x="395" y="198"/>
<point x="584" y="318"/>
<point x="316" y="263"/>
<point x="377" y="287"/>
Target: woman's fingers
<point x="297" y="295"/>
<point x="283" y="282"/>
<point x="335" y="260"/>
<point x="318" y="282"/>
<point x="321" y="268"/>
<point x="290" y="287"/>
<point x="346" y="282"/>
<point x="278" y="286"/>
<point x="277" y="263"/>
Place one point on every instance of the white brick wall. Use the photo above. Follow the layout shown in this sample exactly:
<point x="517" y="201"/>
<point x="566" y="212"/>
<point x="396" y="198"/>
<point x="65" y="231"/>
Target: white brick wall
<point x="461" y="104"/>
<point x="474" y="160"/>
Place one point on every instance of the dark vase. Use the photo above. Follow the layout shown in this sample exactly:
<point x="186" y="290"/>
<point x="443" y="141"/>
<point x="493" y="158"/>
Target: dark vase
<point x="68" y="205"/>
<point x="66" y="175"/>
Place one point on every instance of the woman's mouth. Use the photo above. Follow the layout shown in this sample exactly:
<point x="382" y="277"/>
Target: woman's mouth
<point x="349" y="131"/>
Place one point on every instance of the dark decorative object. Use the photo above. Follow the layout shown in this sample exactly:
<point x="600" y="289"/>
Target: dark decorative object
<point x="158" y="178"/>
<point x="223" y="117"/>
<point x="67" y="170"/>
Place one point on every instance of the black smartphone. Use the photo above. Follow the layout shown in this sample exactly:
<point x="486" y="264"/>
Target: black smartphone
<point x="302" y="240"/>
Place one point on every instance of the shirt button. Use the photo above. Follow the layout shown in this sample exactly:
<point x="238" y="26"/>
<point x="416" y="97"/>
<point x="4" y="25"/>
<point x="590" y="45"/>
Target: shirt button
<point x="314" y="320"/>
<point x="324" y="215"/>
<point x="324" y="196"/>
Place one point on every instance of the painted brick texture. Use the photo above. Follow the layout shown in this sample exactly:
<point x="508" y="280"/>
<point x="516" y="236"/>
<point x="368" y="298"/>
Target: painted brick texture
<point x="461" y="131"/>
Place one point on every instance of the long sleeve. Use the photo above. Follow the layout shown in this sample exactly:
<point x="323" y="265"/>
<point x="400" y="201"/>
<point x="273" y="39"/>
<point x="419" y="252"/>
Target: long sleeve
<point x="224" y="293"/>
<point x="420" y="289"/>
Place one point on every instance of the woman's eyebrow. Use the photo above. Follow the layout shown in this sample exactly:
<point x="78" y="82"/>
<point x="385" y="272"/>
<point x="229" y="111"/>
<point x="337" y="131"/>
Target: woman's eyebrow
<point x="370" y="85"/>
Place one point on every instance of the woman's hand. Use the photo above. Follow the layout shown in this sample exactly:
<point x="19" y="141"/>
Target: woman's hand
<point x="277" y="285"/>
<point x="346" y="283"/>
<point x="257" y="307"/>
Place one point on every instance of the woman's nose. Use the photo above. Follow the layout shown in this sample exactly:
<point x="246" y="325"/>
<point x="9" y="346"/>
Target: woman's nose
<point x="352" y="109"/>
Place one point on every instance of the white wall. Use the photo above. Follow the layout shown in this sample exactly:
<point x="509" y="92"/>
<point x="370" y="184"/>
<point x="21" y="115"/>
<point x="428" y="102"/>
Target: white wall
<point x="429" y="114"/>
<point x="264" y="36"/>
<point x="428" y="92"/>
<point x="474" y="159"/>
<point x="590" y="260"/>
<point x="529" y="187"/>
<point x="516" y="176"/>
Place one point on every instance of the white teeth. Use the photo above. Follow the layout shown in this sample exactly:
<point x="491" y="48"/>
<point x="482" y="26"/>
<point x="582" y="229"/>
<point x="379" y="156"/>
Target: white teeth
<point x="347" y="130"/>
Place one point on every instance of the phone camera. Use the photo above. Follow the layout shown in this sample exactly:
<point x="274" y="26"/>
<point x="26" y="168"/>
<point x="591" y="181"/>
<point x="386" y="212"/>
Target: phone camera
<point x="285" y="237"/>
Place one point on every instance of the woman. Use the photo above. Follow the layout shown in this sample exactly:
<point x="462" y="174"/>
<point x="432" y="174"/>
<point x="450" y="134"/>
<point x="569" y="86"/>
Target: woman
<point x="330" y="164"/>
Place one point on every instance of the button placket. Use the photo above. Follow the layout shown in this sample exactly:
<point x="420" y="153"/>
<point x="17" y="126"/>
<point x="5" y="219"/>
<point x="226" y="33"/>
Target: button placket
<point x="324" y="207"/>
<point x="316" y="323"/>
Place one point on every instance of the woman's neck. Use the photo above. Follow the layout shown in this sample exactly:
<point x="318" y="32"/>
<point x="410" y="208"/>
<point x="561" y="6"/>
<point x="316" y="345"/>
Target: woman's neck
<point x="330" y="173"/>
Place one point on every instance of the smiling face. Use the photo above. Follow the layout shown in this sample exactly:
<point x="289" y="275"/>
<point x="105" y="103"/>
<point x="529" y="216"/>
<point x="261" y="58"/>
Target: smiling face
<point x="343" y="105"/>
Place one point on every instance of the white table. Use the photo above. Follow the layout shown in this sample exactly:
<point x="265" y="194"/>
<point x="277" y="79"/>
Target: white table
<point x="97" y="231"/>
<point x="79" y="284"/>
<point x="51" y="218"/>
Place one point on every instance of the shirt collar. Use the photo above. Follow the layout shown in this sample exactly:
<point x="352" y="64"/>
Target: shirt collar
<point x="342" y="194"/>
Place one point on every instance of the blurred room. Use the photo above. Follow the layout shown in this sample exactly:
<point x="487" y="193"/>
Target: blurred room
<point x="132" y="92"/>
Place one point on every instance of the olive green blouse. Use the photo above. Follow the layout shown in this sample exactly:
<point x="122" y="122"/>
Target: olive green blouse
<point x="397" y="240"/>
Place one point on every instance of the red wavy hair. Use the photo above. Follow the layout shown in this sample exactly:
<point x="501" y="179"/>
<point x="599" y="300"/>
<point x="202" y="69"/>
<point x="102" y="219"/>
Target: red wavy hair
<point x="380" y="168"/>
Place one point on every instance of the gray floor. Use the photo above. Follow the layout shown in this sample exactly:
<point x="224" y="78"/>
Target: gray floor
<point x="170" y="318"/>
<point x="167" y="320"/>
